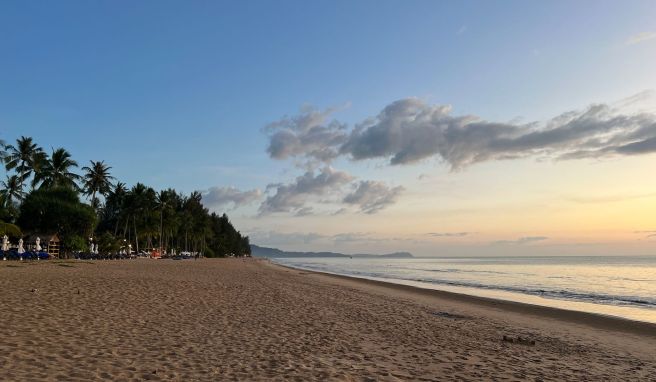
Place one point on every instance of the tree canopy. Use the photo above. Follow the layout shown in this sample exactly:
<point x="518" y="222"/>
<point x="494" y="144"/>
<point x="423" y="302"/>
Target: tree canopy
<point x="43" y="194"/>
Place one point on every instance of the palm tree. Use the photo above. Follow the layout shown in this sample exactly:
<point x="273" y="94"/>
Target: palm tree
<point x="166" y="203"/>
<point x="97" y="180"/>
<point x="12" y="190"/>
<point x="114" y="207"/>
<point x="39" y="163"/>
<point x="22" y="157"/>
<point x="140" y="202"/>
<point x="56" y="171"/>
<point x="3" y="150"/>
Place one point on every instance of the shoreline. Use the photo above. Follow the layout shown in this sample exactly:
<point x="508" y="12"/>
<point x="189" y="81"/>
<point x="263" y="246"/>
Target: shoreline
<point x="595" y="320"/>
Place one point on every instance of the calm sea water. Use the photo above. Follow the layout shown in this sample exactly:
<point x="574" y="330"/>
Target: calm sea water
<point x="623" y="286"/>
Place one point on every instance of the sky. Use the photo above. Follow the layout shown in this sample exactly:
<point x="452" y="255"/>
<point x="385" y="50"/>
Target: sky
<point x="443" y="128"/>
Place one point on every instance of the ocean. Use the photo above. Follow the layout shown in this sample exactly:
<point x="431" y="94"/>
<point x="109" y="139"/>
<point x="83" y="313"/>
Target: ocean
<point x="621" y="286"/>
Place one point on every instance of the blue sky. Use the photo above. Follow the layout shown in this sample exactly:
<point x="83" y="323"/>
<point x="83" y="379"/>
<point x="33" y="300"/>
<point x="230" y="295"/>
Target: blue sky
<point x="175" y="93"/>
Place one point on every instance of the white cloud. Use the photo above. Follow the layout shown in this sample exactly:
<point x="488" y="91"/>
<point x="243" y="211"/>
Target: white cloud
<point x="640" y="38"/>
<point x="410" y="130"/>
<point x="217" y="197"/>
<point x="371" y="196"/>
<point x="450" y="234"/>
<point x="292" y="197"/>
<point x="521" y="240"/>
<point x="309" y="135"/>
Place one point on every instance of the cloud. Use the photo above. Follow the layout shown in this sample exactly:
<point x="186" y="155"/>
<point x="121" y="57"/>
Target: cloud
<point x="450" y="234"/>
<point x="309" y="135"/>
<point x="607" y="198"/>
<point x="305" y="211"/>
<point x="640" y="37"/>
<point x="410" y="130"/>
<point x="292" y="197"/>
<point x="352" y="237"/>
<point x="648" y="234"/>
<point x="224" y="196"/>
<point x="462" y="30"/>
<point x="372" y="196"/>
<point x="521" y="240"/>
<point x="282" y="238"/>
<point x="293" y="238"/>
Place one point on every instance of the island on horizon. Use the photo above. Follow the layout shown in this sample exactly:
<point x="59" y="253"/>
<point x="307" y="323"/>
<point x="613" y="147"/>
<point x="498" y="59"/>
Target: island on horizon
<point x="258" y="251"/>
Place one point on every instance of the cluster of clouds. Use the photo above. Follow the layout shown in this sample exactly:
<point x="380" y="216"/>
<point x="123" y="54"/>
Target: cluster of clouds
<point x="293" y="197"/>
<point x="286" y="238"/>
<point x="411" y="130"/>
<point x="276" y="238"/>
<point x="327" y="185"/>
<point x="309" y="134"/>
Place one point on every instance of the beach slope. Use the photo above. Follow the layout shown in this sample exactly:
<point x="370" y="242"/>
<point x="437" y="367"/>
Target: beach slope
<point x="234" y="319"/>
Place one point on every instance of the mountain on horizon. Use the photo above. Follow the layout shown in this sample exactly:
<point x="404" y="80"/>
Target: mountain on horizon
<point x="258" y="251"/>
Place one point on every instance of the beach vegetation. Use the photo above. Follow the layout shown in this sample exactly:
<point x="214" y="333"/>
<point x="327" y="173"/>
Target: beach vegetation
<point x="44" y="193"/>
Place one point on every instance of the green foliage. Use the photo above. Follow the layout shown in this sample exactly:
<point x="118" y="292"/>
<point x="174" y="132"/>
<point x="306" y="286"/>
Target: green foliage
<point x="107" y="243"/>
<point x="55" y="172"/>
<point x="226" y="239"/>
<point x="169" y="220"/>
<point x="209" y="252"/>
<point x="139" y="216"/>
<point x="56" y="210"/>
<point x="74" y="243"/>
<point x="8" y="211"/>
<point x="10" y="230"/>
<point x="23" y="157"/>
<point x="12" y="191"/>
<point x="97" y="180"/>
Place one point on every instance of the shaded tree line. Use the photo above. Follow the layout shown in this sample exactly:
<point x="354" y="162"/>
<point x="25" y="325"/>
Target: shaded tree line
<point x="43" y="193"/>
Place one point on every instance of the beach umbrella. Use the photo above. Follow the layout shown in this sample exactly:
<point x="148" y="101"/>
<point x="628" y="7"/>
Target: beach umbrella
<point x="5" y="247"/>
<point x="38" y="247"/>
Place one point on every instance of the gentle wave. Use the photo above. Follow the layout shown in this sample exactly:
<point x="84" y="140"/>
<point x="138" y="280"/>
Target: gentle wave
<point x="542" y="291"/>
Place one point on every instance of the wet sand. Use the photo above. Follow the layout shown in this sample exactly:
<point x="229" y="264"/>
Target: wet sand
<point x="233" y="319"/>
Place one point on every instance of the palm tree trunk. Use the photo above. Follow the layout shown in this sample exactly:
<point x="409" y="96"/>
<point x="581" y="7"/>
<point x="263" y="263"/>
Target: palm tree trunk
<point x="161" y="233"/>
<point x="136" y="235"/>
<point x="125" y="229"/>
<point x="22" y="175"/>
<point x="116" y="227"/>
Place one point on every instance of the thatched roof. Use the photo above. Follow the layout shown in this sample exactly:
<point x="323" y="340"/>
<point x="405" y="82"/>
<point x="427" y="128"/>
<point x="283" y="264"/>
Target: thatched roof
<point x="45" y="238"/>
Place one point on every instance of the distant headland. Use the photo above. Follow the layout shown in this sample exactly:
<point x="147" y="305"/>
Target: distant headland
<point x="258" y="251"/>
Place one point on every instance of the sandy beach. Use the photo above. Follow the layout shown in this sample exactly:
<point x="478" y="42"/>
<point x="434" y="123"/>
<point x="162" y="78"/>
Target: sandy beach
<point x="234" y="319"/>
